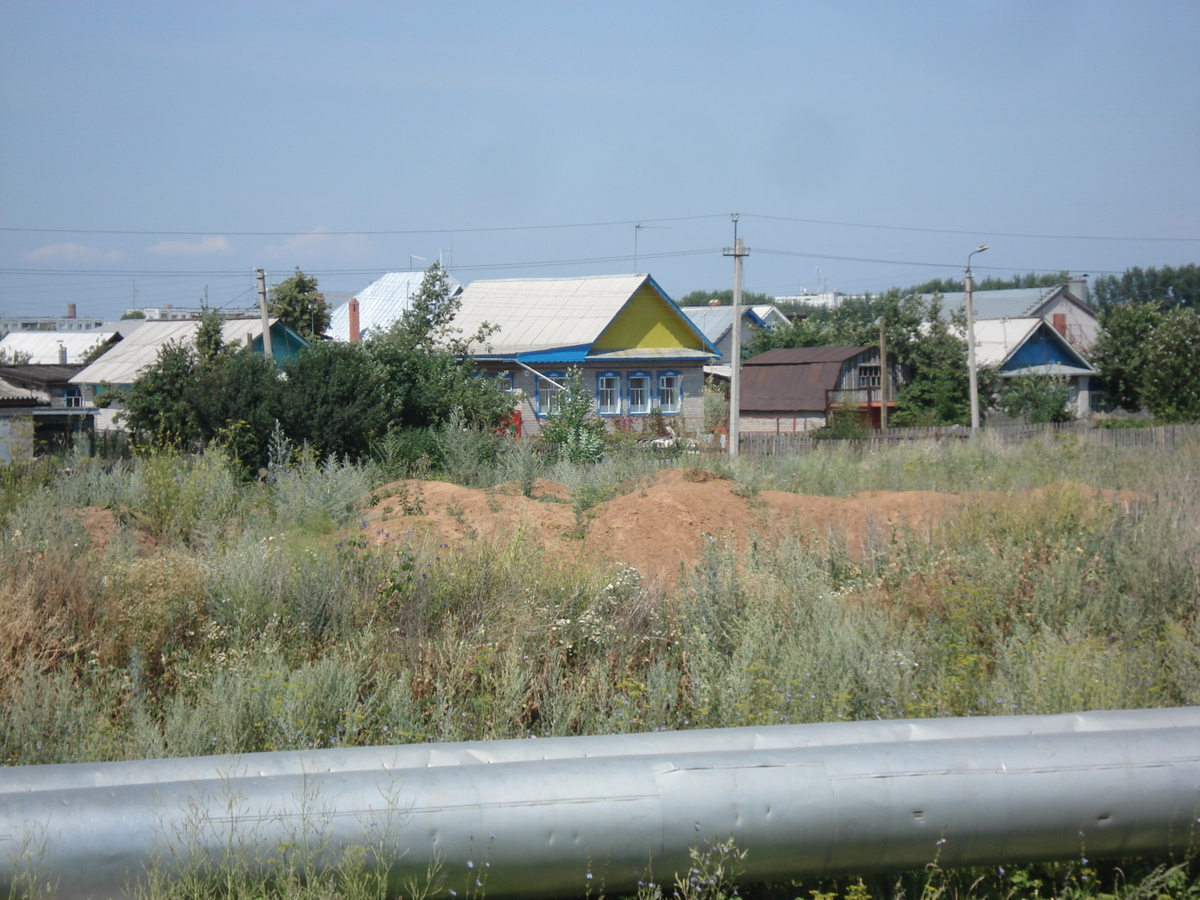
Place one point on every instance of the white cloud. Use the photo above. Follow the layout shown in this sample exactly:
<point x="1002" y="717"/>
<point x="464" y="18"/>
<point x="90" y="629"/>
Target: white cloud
<point x="206" y="246"/>
<point x="71" y="253"/>
<point x="319" y="242"/>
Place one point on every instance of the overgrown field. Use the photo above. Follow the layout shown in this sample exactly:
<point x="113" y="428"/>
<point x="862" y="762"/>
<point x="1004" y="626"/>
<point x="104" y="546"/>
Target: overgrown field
<point x="160" y="608"/>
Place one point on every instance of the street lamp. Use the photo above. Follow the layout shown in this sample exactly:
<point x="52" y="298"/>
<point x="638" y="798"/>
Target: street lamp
<point x="971" y="343"/>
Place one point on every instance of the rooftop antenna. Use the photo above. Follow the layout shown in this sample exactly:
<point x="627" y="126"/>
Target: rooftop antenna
<point x="636" y="228"/>
<point x="411" y="257"/>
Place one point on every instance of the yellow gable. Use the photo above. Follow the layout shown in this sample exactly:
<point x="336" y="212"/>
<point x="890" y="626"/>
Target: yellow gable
<point x="648" y="321"/>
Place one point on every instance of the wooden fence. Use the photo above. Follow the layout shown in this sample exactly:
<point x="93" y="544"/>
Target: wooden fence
<point x="767" y="444"/>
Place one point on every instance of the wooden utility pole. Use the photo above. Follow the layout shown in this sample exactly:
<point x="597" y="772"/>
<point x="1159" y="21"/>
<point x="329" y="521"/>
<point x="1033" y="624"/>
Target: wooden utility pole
<point x="883" y="378"/>
<point x="735" y="376"/>
<point x="262" y="304"/>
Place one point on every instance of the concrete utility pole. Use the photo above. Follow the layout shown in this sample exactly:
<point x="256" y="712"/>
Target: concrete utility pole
<point x="262" y="305"/>
<point x="735" y="377"/>
<point x="974" y="378"/>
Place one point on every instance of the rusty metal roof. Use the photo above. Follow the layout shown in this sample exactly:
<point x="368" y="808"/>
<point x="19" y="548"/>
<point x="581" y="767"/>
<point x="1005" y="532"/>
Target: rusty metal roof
<point x="792" y="379"/>
<point x="791" y="356"/>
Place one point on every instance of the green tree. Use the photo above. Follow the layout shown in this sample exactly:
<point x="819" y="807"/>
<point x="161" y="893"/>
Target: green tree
<point x="336" y="398"/>
<point x="296" y="302"/>
<point x="157" y="407"/>
<point x="573" y="426"/>
<point x="1119" y="353"/>
<point x="429" y="364"/>
<point x="992" y="283"/>
<point x="725" y="298"/>
<point x="236" y="399"/>
<point x="133" y="314"/>
<point x="209" y="338"/>
<point x="921" y="341"/>
<point x="1171" y="384"/>
<point x="1037" y="398"/>
<point x="1168" y="287"/>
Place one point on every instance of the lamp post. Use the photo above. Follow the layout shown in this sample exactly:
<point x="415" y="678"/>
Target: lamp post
<point x="974" y="380"/>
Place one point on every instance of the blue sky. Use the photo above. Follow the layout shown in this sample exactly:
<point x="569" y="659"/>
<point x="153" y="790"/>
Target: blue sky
<point x="877" y="142"/>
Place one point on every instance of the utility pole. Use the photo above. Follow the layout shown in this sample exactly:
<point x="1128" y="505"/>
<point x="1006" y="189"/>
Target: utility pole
<point x="735" y="376"/>
<point x="883" y="378"/>
<point x="262" y="304"/>
<point x="969" y="284"/>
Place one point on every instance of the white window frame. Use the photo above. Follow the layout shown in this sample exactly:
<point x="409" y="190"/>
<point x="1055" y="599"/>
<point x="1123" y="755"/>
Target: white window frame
<point x="547" y="396"/>
<point x="608" y="383"/>
<point x="670" y="409"/>
<point x="645" y="408"/>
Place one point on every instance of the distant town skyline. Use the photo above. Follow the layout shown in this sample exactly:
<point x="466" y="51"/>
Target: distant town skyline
<point x="153" y="152"/>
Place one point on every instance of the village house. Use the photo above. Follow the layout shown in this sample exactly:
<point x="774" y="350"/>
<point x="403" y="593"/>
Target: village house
<point x="638" y="352"/>
<point x="795" y="389"/>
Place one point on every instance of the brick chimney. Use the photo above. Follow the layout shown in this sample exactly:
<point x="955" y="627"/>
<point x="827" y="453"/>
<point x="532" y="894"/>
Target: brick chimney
<point x="355" y="334"/>
<point x="70" y="310"/>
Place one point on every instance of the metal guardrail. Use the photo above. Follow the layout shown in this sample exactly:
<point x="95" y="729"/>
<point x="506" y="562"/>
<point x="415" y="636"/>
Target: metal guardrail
<point x="538" y="817"/>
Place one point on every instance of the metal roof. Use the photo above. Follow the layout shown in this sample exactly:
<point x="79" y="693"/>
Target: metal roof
<point x="1013" y="303"/>
<point x="790" y="356"/>
<point x="714" y="321"/>
<point x="793" y="379"/>
<point x="536" y="314"/>
<point x="123" y="363"/>
<point x="783" y="388"/>
<point x="996" y="340"/>
<point x="380" y="303"/>
<point x="44" y="347"/>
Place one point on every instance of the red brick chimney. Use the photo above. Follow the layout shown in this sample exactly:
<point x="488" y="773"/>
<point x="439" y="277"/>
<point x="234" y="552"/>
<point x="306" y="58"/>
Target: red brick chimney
<point x="70" y="310"/>
<point x="355" y="335"/>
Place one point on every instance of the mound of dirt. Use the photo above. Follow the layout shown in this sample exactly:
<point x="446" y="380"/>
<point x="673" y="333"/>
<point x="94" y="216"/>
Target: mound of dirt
<point x="658" y="527"/>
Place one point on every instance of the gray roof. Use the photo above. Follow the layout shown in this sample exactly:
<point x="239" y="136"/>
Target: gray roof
<point x="1014" y="303"/>
<point x="43" y="347"/>
<point x="123" y="363"/>
<point x="380" y="303"/>
<point x="714" y="321"/>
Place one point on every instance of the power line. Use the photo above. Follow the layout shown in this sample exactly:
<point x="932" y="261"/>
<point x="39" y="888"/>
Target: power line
<point x="1016" y="234"/>
<point x="238" y="273"/>
<point x="909" y="262"/>
<point x="310" y="233"/>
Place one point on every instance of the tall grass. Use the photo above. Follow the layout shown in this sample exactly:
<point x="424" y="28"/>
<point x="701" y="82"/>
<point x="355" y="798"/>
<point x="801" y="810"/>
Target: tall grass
<point x="230" y="618"/>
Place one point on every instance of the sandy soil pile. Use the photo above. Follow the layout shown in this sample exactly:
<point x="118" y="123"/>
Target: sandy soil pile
<point x="661" y="525"/>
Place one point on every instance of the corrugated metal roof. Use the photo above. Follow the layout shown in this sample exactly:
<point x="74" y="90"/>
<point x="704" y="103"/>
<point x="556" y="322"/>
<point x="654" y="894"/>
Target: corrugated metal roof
<point x="788" y="388"/>
<point x="1014" y="303"/>
<point x="540" y="313"/>
<point x="122" y="363"/>
<point x="996" y="340"/>
<point x="43" y="347"/>
<point x="714" y="321"/>
<point x="790" y="356"/>
<point x="380" y="303"/>
<point x="770" y="315"/>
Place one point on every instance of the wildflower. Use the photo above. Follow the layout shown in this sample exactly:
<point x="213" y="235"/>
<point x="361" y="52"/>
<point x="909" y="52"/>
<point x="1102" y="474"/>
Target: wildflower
<point x="470" y="865"/>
